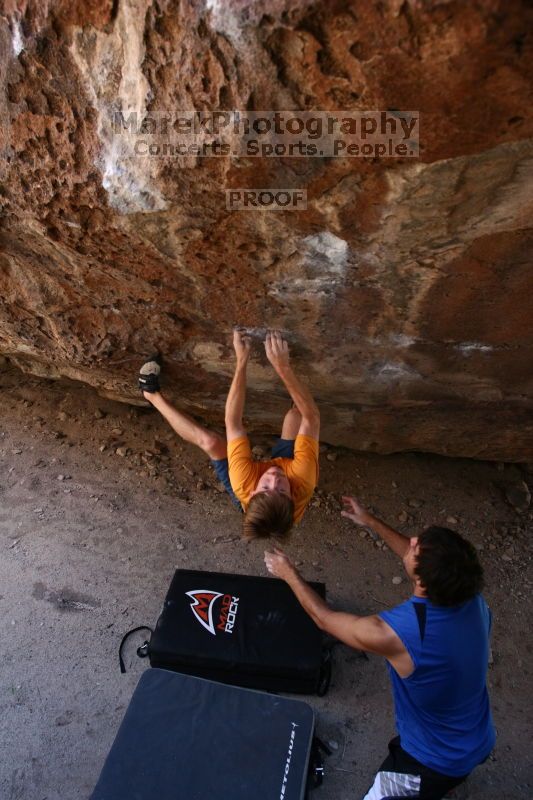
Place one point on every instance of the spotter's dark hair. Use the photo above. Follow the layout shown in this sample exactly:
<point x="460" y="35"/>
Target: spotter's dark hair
<point x="448" y="567"/>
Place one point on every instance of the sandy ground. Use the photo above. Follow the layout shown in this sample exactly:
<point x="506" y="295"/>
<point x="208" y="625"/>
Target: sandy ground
<point x="90" y="537"/>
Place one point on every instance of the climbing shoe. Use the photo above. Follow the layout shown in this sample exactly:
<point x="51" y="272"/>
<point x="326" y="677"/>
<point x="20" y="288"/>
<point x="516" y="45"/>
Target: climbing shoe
<point x="149" y="374"/>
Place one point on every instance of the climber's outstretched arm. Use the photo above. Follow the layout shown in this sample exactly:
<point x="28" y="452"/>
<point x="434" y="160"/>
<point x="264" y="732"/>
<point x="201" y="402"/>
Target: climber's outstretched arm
<point x="237" y="393"/>
<point x="277" y="351"/>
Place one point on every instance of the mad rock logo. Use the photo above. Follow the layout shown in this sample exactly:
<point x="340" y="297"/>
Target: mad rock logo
<point x="202" y="606"/>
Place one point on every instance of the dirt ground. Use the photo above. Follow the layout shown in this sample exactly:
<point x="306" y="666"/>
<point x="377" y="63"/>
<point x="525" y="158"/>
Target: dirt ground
<point x="99" y="503"/>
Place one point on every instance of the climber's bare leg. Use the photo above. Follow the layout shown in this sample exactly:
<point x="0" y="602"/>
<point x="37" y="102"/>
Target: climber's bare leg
<point x="187" y="428"/>
<point x="291" y="423"/>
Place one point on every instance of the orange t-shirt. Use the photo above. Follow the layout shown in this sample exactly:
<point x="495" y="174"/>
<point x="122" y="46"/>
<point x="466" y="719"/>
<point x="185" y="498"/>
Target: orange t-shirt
<point x="302" y="470"/>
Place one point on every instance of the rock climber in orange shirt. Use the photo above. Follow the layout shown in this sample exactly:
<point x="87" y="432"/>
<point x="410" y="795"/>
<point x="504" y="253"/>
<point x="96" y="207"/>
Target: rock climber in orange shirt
<point x="273" y="494"/>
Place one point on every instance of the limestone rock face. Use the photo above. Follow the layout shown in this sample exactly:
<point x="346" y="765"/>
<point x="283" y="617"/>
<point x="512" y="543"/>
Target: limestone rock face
<point x="405" y="288"/>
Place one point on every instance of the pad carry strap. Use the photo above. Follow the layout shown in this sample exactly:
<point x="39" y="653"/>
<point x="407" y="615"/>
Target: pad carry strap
<point x="420" y="611"/>
<point x="143" y="647"/>
<point x="324" y="679"/>
<point x="315" y="772"/>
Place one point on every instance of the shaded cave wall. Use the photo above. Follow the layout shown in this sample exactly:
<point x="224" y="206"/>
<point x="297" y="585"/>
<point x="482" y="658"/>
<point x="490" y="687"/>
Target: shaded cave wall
<point x="405" y="289"/>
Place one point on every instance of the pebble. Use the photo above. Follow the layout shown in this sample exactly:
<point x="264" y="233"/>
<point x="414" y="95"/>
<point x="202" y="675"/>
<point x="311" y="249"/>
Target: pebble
<point x="17" y="451"/>
<point x="63" y="416"/>
<point x="403" y="516"/>
<point x="201" y="485"/>
<point x="414" y="503"/>
<point x="333" y="744"/>
<point x="160" y="447"/>
<point x="331" y="456"/>
<point x="180" y="546"/>
<point x="452" y="520"/>
<point x="397" y="580"/>
<point x="117" y="432"/>
<point x="121" y="451"/>
<point x="258" y="451"/>
<point x="99" y="414"/>
<point x="102" y="448"/>
<point x="519" y="496"/>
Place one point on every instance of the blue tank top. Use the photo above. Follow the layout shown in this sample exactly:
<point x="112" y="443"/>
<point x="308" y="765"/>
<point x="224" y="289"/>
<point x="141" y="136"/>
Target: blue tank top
<point x="442" y="709"/>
